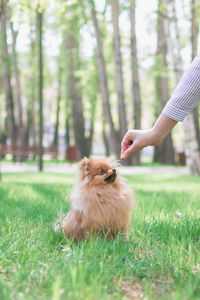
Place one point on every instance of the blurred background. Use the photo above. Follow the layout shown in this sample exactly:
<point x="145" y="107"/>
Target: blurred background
<point x="75" y="75"/>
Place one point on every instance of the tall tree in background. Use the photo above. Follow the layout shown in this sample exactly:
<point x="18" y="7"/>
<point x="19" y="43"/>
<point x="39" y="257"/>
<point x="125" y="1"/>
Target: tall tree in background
<point x="135" y="78"/>
<point x="164" y="153"/>
<point x="119" y="75"/>
<point x="31" y="112"/>
<point x="40" y="87"/>
<point x="90" y="90"/>
<point x="75" y="94"/>
<point x="83" y="141"/>
<point x="114" y="135"/>
<point x="191" y="142"/>
<point x="21" y="128"/>
<point x="118" y="69"/>
<point x="11" y="125"/>
<point x="195" y="11"/>
<point x="1" y="7"/>
<point x="78" y="128"/>
<point x="67" y="115"/>
<point x="191" y="122"/>
<point x="175" y="44"/>
<point x="55" y="138"/>
<point x="16" y="76"/>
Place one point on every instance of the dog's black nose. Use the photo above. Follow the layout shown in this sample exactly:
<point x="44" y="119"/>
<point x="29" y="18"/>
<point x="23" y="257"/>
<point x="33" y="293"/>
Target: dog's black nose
<point x="114" y="171"/>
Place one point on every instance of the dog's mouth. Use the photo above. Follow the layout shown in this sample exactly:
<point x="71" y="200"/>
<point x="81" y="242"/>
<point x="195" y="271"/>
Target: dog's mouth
<point x="111" y="178"/>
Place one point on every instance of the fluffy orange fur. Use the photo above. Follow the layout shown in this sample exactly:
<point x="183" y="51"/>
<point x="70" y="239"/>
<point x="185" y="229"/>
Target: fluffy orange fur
<point x="101" y="202"/>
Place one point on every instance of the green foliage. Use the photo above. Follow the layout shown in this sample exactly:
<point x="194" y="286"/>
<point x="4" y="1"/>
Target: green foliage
<point x="160" y="256"/>
<point x="89" y="86"/>
<point x="23" y="11"/>
<point x="159" y="69"/>
<point x="73" y="17"/>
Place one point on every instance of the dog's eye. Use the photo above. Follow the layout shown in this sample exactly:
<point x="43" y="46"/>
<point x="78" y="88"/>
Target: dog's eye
<point x="102" y="171"/>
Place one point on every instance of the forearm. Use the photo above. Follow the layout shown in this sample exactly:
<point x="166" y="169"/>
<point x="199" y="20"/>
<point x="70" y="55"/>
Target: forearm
<point x="162" y="128"/>
<point x="187" y="93"/>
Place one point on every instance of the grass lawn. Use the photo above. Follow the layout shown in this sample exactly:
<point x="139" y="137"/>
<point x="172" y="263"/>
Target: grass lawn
<point x="145" y="162"/>
<point x="160" y="259"/>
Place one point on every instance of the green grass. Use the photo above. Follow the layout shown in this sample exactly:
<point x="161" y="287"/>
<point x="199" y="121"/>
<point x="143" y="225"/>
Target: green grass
<point x="160" y="259"/>
<point x="49" y="161"/>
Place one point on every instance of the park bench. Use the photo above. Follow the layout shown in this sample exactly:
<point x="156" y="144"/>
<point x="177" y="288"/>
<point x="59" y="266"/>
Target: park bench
<point x="27" y="151"/>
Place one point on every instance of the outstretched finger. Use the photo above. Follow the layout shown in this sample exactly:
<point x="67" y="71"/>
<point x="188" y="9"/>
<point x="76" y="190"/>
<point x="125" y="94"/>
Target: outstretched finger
<point x="126" y="142"/>
<point x="128" y="152"/>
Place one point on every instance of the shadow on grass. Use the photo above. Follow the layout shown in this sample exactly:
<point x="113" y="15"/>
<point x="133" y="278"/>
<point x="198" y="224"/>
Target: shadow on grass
<point x="33" y="201"/>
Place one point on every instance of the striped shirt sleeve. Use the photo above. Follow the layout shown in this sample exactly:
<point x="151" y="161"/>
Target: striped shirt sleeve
<point x="187" y="93"/>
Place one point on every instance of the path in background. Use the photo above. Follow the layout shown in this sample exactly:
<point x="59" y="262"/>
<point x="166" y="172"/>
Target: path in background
<point x="71" y="169"/>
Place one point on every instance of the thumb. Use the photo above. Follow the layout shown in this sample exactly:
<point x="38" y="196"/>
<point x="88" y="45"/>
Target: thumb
<point x="128" y="152"/>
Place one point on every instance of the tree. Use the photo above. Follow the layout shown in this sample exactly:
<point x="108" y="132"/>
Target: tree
<point x="20" y="126"/>
<point x="82" y="139"/>
<point x="194" y="45"/>
<point x="11" y="125"/>
<point x="68" y="114"/>
<point x="75" y="95"/>
<point x="114" y="135"/>
<point x="118" y="69"/>
<point x="32" y="89"/>
<point x="16" y="75"/>
<point x="40" y="87"/>
<point x="164" y="153"/>
<point x="135" y="78"/>
<point x="191" y="122"/>
<point x="55" y="139"/>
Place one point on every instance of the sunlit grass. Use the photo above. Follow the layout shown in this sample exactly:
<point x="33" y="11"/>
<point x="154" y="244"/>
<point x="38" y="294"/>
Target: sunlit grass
<point x="160" y="258"/>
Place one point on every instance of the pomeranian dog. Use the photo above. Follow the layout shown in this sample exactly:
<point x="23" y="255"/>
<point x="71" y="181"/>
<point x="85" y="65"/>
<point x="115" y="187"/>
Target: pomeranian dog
<point x="101" y="202"/>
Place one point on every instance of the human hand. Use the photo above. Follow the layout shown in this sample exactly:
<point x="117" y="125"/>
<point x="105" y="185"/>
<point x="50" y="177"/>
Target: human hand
<point x="137" y="140"/>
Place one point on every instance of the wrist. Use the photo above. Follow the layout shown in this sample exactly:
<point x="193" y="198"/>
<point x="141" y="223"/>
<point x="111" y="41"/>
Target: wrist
<point x="162" y="128"/>
<point x="156" y="136"/>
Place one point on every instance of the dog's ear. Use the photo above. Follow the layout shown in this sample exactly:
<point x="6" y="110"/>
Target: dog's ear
<point x="83" y="166"/>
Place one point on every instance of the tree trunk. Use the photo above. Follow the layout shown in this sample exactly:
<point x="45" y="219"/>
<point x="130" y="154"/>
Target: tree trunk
<point x="135" y="80"/>
<point x="11" y="126"/>
<point x="17" y="76"/>
<point x="191" y="146"/>
<point x="194" y="43"/>
<point x="195" y="27"/>
<point x="31" y="123"/>
<point x="67" y="134"/>
<point x="164" y="153"/>
<point x="55" y="139"/>
<point x="118" y="69"/>
<point x="114" y="135"/>
<point x="191" y="122"/>
<point x="67" y="117"/>
<point x="75" y="95"/>
<point x="92" y="122"/>
<point x="105" y="139"/>
<point x="176" y="46"/>
<point x="40" y="91"/>
<point x="1" y="7"/>
<point x="21" y="130"/>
